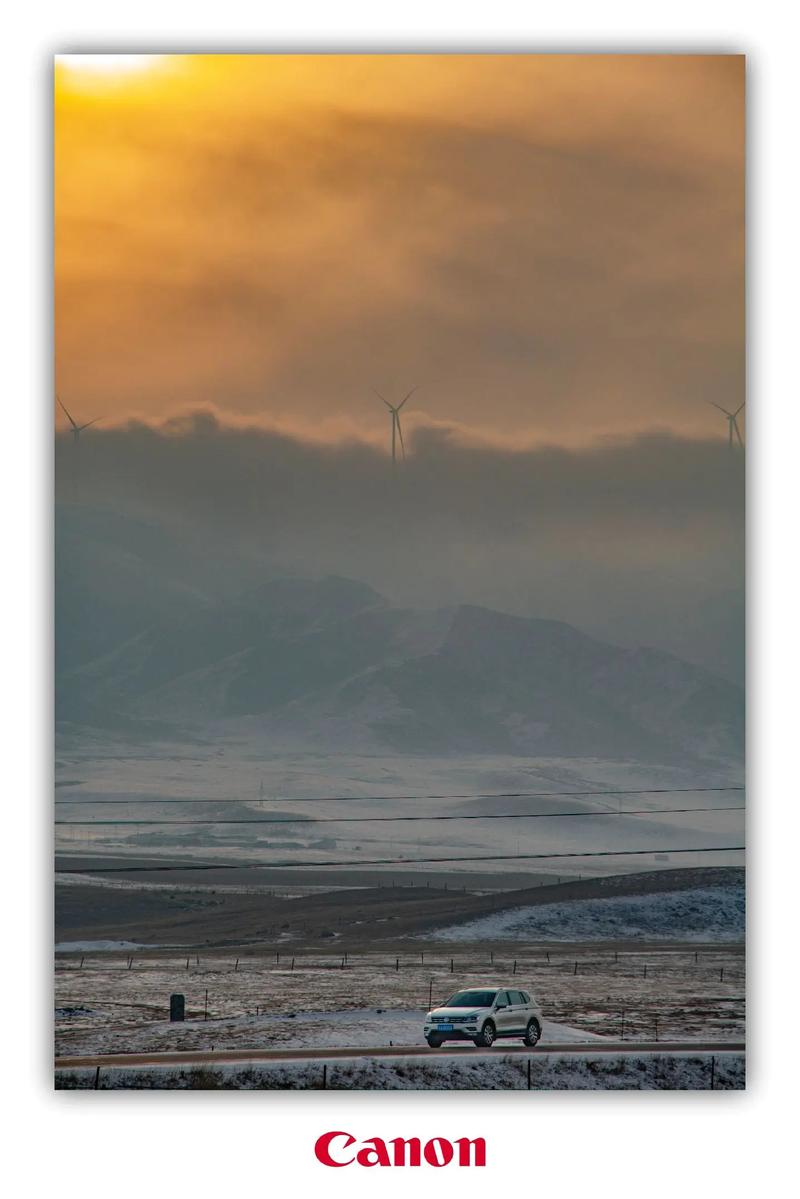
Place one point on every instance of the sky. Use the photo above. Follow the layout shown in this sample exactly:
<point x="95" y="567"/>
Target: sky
<point x="548" y="247"/>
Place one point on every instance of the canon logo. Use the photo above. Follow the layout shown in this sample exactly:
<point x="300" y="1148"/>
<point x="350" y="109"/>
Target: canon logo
<point x="343" y="1149"/>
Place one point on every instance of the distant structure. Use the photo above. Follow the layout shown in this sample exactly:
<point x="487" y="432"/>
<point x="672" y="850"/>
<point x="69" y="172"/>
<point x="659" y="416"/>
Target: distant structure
<point x="397" y="432"/>
<point x="75" y="428"/>
<point x="733" y="426"/>
<point x="76" y="431"/>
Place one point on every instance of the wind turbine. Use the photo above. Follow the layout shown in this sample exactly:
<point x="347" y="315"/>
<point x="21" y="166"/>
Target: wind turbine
<point x="733" y="426"/>
<point x="77" y="429"/>
<point x="397" y="431"/>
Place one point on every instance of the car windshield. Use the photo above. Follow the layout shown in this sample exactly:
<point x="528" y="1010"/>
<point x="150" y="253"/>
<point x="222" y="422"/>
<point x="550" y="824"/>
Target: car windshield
<point x="471" y="999"/>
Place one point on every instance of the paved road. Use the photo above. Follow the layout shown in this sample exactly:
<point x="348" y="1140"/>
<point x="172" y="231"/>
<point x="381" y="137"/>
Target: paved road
<point x="203" y="1057"/>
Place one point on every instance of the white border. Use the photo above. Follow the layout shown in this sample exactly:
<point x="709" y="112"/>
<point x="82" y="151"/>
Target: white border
<point x="565" y="1144"/>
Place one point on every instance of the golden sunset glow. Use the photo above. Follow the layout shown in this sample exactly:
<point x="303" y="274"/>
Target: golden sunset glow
<point x="546" y="245"/>
<point x="106" y="63"/>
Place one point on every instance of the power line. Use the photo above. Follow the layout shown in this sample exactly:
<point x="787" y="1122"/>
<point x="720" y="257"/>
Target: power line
<point x="387" y="798"/>
<point x="393" y="819"/>
<point x="508" y="857"/>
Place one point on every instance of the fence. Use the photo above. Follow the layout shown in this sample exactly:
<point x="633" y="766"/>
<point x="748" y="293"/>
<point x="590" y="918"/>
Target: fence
<point x="534" y="1072"/>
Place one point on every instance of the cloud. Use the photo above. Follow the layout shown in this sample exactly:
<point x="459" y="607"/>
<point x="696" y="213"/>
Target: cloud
<point x="640" y="538"/>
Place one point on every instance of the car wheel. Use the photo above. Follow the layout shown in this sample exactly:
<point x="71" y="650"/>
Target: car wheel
<point x="434" y="1042"/>
<point x="532" y="1033"/>
<point x="485" y="1038"/>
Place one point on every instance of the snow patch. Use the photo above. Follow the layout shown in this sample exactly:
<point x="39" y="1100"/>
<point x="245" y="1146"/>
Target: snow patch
<point x="699" y="914"/>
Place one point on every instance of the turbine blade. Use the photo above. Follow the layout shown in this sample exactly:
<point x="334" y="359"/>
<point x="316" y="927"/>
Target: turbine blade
<point x="408" y="397"/>
<point x="380" y="397"/>
<point x="89" y="424"/>
<point x="721" y="409"/>
<point x="739" y="409"/>
<point x="738" y="434"/>
<point x="69" y="418"/>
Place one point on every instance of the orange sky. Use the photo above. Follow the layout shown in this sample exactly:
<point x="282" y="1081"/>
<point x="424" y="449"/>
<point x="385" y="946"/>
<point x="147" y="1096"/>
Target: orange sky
<point x="547" y="246"/>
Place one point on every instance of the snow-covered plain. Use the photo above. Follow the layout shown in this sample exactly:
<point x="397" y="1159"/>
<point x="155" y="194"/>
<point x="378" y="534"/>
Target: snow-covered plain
<point x="165" y="780"/>
<point x="477" y="1072"/>
<point x="361" y="1027"/>
<point x="699" y="914"/>
<point x="107" y="1006"/>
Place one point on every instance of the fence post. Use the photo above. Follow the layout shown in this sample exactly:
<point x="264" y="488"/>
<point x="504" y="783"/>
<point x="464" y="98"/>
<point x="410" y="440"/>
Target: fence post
<point x="292" y="963"/>
<point x="205" y="1008"/>
<point x="514" y="971"/>
<point x="575" y="971"/>
<point x="397" y="963"/>
<point x="713" y="1063"/>
<point x="81" y="965"/>
<point x="236" y="967"/>
<point x="656" y="1023"/>
<point x="622" y="1031"/>
<point x="451" y="965"/>
<point x="187" y="963"/>
<point x="529" y="1073"/>
<point x="97" y="1079"/>
<point x="324" y="1077"/>
<point x="430" y="994"/>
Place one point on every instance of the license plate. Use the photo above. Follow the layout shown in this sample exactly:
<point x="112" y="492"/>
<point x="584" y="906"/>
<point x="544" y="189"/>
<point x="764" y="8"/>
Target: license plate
<point x="445" y="1027"/>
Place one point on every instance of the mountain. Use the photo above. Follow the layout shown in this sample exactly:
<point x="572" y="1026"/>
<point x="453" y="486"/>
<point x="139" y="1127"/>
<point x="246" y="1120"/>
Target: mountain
<point x="116" y="576"/>
<point x="331" y="662"/>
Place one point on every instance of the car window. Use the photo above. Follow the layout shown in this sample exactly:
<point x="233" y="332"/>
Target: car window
<point x="517" y="997"/>
<point x="471" y="999"/>
<point x="502" y="997"/>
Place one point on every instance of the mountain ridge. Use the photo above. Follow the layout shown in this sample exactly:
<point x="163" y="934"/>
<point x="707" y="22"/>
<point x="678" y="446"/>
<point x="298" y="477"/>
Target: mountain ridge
<point x="332" y="658"/>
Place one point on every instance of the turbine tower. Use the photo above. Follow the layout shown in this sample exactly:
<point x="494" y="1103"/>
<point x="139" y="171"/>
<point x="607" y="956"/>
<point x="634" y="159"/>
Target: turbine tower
<point x="75" y="428"/>
<point x="397" y="432"/>
<point x="733" y="426"/>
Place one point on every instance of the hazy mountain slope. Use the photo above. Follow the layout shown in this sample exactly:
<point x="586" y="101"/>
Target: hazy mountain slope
<point x="265" y="644"/>
<point x="307" y="657"/>
<point x="505" y="684"/>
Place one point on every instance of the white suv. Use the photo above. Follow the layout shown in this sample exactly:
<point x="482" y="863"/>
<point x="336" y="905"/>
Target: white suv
<point x="482" y="1014"/>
